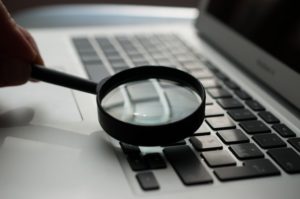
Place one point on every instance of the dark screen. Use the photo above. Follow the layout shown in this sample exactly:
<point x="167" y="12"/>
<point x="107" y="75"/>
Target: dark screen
<point x="273" y="25"/>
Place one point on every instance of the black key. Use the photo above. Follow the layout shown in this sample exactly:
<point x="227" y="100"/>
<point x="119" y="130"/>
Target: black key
<point x="213" y="110"/>
<point x="96" y="72"/>
<point x="90" y="59"/>
<point x="203" y="130"/>
<point x="241" y="114"/>
<point x="155" y="161"/>
<point x="129" y="149"/>
<point x="219" y="93"/>
<point x="221" y="76"/>
<point x="246" y="151"/>
<point x="118" y="64"/>
<point x="230" y="103"/>
<point x="137" y="162"/>
<point x="251" y="169"/>
<point x="218" y="158"/>
<point x="242" y="94"/>
<point x="269" y="140"/>
<point x="147" y="181"/>
<point x="86" y="51"/>
<point x="232" y="85"/>
<point x="254" y="127"/>
<point x="82" y="43"/>
<point x="287" y="159"/>
<point x="205" y="143"/>
<point x="114" y="57"/>
<point x="181" y="142"/>
<point x="283" y="130"/>
<point x="209" y="64"/>
<point x="187" y="165"/>
<point x="268" y="117"/>
<point x="220" y="123"/>
<point x="254" y="105"/>
<point x="233" y="136"/>
<point x="295" y="142"/>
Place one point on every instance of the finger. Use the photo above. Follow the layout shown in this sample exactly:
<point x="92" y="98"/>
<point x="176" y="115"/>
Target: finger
<point x="38" y="59"/>
<point x="12" y="41"/>
<point x="14" y="72"/>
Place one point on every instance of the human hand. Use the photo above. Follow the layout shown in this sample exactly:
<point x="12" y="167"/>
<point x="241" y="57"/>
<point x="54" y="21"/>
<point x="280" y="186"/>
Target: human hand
<point x="17" y="51"/>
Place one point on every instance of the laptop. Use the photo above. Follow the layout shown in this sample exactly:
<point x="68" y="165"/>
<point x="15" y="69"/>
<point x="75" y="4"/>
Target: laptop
<point x="246" y="56"/>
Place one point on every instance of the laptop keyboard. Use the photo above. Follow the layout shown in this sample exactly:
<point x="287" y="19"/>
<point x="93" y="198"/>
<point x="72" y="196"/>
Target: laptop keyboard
<point x="239" y="127"/>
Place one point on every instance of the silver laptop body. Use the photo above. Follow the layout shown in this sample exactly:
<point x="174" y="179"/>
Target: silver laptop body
<point x="52" y="145"/>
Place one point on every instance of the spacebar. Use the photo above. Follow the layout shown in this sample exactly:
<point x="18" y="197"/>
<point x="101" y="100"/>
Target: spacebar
<point x="186" y="165"/>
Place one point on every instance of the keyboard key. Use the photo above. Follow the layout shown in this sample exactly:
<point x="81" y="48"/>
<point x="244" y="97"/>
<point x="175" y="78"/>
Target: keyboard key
<point x="202" y="74"/>
<point x="181" y="142"/>
<point x="254" y="105"/>
<point x="232" y="136"/>
<point x="251" y="169"/>
<point x="254" y="127"/>
<point x="129" y="149"/>
<point x="208" y="64"/>
<point x="209" y="100"/>
<point x="283" y="130"/>
<point x="295" y="142"/>
<point x="120" y="69"/>
<point x="232" y="85"/>
<point x="269" y="140"/>
<point x="91" y="59"/>
<point x="218" y="158"/>
<point x="155" y="161"/>
<point x="119" y="64"/>
<point x="213" y="110"/>
<point x="147" y="181"/>
<point x="192" y="65"/>
<point x="287" y="159"/>
<point x="220" y="123"/>
<point x="268" y="117"/>
<point x="210" y="83"/>
<point x="187" y="165"/>
<point x="242" y="94"/>
<point x="203" y="130"/>
<point x="230" y="103"/>
<point x="221" y="76"/>
<point x="96" y="72"/>
<point x="219" y="93"/>
<point x="137" y="162"/>
<point x="241" y="115"/>
<point x="246" y="151"/>
<point x="205" y="143"/>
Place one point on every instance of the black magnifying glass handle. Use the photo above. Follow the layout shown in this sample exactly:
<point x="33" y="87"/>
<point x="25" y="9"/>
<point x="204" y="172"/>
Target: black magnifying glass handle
<point x="63" y="79"/>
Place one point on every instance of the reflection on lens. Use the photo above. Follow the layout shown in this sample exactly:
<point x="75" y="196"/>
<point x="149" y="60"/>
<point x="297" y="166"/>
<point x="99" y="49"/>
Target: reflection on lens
<point x="151" y="102"/>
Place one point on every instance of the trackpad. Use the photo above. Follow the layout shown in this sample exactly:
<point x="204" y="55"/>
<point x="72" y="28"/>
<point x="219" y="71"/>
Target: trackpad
<point x="37" y="103"/>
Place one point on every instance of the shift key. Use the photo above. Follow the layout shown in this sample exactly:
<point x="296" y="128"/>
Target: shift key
<point x="187" y="165"/>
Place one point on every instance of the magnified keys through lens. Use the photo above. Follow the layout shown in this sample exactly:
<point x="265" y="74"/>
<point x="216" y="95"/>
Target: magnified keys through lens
<point x="146" y="106"/>
<point x="151" y="102"/>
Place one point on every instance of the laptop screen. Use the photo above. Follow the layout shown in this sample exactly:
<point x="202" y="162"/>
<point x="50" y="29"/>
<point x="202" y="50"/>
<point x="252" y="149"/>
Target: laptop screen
<point x="273" y="25"/>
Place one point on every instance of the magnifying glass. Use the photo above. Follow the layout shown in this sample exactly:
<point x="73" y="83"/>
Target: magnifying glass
<point x="144" y="106"/>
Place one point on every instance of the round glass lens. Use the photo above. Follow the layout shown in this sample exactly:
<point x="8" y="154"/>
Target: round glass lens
<point x="151" y="102"/>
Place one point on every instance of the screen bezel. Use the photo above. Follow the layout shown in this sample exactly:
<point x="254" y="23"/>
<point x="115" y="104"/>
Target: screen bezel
<point x="269" y="70"/>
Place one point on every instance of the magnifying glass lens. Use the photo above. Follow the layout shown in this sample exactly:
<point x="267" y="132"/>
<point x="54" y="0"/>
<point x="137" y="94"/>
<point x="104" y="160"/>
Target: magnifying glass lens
<point x="151" y="102"/>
